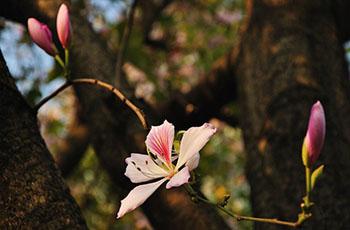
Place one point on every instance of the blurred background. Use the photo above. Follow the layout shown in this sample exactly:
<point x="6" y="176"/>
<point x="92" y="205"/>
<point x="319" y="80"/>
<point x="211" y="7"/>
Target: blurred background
<point x="183" y="45"/>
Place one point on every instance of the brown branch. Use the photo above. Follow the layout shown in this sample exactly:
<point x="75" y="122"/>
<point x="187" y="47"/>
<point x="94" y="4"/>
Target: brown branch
<point x="140" y="115"/>
<point x="124" y="41"/>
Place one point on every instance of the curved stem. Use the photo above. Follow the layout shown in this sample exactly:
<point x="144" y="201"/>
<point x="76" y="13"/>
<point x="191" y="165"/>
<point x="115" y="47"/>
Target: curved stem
<point x="140" y="115"/>
<point x="295" y="224"/>
<point x="52" y="95"/>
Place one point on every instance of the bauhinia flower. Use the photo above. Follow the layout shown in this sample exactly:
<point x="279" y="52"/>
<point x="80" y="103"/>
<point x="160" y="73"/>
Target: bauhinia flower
<point x="63" y="25"/>
<point x="42" y="36"/>
<point x="161" y="165"/>
<point x="315" y="135"/>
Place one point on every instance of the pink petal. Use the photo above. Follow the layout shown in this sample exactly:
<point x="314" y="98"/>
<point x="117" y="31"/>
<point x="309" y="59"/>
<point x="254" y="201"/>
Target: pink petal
<point x="179" y="178"/>
<point x="316" y="132"/>
<point x="141" y="168"/>
<point x="160" y="141"/>
<point x="193" y="141"/>
<point x="63" y="26"/>
<point x="137" y="197"/>
<point x="41" y="35"/>
<point x="193" y="162"/>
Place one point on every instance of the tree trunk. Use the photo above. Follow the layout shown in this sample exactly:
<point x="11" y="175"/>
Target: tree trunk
<point x="291" y="56"/>
<point x="32" y="192"/>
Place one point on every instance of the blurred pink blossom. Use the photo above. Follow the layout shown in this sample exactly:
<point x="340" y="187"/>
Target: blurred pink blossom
<point x="42" y="36"/>
<point x="63" y="25"/>
<point x="228" y="17"/>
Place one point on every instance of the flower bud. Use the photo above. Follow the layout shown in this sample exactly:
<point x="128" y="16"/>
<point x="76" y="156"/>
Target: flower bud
<point x="63" y="26"/>
<point x="42" y="36"/>
<point x="315" y="135"/>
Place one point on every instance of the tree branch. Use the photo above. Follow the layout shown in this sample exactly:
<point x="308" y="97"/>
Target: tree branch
<point x="91" y="81"/>
<point x="124" y="41"/>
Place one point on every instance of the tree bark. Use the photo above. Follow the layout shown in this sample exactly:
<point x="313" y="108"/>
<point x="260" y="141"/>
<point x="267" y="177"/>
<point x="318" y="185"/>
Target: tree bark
<point x="32" y="192"/>
<point x="291" y="56"/>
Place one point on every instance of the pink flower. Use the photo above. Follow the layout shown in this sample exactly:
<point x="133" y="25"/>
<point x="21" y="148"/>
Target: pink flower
<point x="315" y="133"/>
<point x="159" y="142"/>
<point x="42" y="36"/>
<point x="63" y="26"/>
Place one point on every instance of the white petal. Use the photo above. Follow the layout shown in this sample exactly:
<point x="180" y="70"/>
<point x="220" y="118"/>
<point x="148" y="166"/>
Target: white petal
<point x="193" y="162"/>
<point x="179" y="178"/>
<point x="141" y="168"/>
<point x="160" y="141"/>
<point x="194" y="140"/>
<point x="137" y="197"/>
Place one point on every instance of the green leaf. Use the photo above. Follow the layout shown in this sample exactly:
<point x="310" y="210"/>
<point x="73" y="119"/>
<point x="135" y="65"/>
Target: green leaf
<point x="177" y="146"/>
<point x="316" y="175"/>
<point x="177" y="140"/>
<point x="304" y="155"/>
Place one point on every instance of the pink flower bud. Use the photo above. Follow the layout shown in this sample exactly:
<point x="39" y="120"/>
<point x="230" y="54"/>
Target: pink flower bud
<point x="63" y="26"/>
<point x="316" y="132"/>
<point x="41" y="35"/>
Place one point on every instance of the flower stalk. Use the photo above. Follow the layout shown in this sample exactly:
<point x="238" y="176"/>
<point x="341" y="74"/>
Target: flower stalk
<point x="60" y="62"/>
<point x="308" y="186"/>
<point x="66" y="56"/>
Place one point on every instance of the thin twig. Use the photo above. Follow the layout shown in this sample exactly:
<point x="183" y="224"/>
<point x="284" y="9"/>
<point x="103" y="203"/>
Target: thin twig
<point x="295" y="224"/>
<point x="52" y="95"/>
<point x="124" y="41"/>
<point x="140" y="115"/>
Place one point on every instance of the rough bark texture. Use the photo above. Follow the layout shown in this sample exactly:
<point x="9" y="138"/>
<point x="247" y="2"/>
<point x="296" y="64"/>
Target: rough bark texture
<point x="32" y="192"/>
<point x="291" y="56"/>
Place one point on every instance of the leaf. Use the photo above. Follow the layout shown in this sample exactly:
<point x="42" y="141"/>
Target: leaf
<point x="316" y="175"/>
<point x="305" y="155"/>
